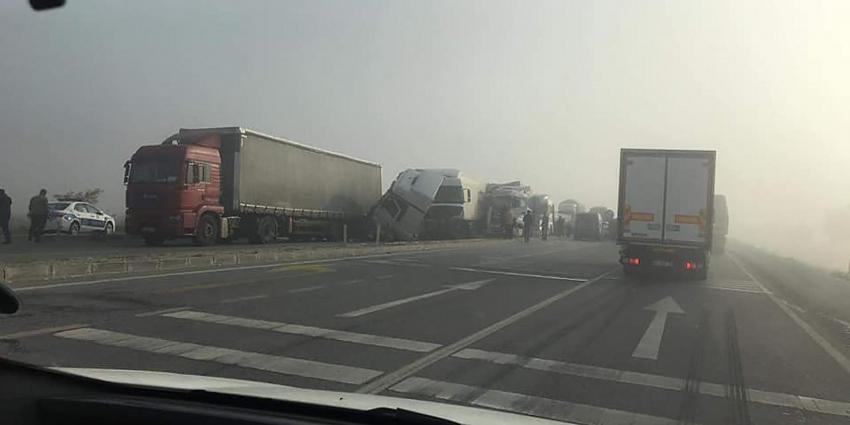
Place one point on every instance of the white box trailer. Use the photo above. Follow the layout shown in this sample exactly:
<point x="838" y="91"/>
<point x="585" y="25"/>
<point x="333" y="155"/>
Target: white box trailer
<point x="665" y="210"/>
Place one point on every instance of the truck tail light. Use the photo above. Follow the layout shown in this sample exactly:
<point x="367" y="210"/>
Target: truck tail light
<point x="634" y="261"/>
<point x="690" y="265"/>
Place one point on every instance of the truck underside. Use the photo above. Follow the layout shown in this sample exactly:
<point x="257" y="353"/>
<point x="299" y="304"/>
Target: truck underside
<point x="676" y="261"/>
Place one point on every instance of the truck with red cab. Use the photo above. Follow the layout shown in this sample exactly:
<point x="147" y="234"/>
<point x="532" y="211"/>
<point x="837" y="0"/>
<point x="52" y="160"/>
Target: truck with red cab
<point x="219" y="184"/>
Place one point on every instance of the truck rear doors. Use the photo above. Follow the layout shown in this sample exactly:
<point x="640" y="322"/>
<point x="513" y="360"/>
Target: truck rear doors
<point x="666" y="196"/>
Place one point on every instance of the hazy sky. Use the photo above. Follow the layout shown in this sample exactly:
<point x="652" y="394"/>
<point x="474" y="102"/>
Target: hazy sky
<point x="544" y="92"/>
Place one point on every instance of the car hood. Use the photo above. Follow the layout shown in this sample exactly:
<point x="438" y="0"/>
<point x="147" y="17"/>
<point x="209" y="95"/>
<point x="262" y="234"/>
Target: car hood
<point x="363" y="402"/>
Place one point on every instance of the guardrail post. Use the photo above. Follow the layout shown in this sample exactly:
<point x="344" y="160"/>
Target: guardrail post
<point x="345" y="233"/>
<point x="378" y="236"/>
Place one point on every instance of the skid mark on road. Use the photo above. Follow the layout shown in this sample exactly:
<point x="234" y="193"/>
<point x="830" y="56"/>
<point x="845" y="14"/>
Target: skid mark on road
<point x="736" y="389"/>
<point x="396" y="376"/>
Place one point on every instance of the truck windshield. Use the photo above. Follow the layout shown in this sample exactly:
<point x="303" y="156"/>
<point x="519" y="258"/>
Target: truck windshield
<point x="449" y="195"/>
<point x="155" y="172"/>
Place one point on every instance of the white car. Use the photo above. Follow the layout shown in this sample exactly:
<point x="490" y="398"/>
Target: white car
<point x="74" y="217"/>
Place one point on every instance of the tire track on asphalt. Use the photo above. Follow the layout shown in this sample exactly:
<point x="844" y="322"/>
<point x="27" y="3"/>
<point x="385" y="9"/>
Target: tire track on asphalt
<point x="736" y="389"/>
<point x="690" y="400"/>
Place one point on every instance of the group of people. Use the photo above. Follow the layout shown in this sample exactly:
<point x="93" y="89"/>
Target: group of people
<point x="528" y="223"/>
<point x="38" y="211"/>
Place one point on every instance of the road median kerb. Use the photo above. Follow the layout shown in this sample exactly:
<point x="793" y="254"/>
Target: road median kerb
<point x="117" y="265"/>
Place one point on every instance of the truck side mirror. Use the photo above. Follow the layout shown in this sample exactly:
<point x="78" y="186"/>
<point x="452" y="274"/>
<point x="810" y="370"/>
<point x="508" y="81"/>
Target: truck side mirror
<point x="126" y="172"/>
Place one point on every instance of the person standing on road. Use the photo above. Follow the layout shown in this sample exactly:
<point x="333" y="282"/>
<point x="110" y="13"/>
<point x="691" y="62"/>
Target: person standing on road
<point x="544" y="227"/>
<point x="38" y="215"/>
<point x="527" y="220"/>
<point x="5" y="216"/>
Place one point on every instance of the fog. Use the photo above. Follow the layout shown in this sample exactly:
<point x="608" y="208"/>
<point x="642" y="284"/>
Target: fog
<point x="544" y="92"/>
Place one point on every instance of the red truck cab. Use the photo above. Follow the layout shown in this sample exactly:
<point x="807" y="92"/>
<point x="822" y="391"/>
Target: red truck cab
<point x="170" y="190"/>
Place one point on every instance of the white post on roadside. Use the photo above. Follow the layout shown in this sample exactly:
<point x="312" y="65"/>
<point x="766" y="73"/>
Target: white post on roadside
<point x="345" y="233"/>
<point x="378" y="236"/>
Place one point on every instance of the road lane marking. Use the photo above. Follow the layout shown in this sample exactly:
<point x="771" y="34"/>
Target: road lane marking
<point x="158" y="312"/>
<point x="246" y="359"/>
<point x="384" y="277"/>
<point x="811" y="404"/>
<point x="223" y="269"/>
<point x="247" y="298"/>
<point x="42" y="331"/>
<point x="735" y="285"/>
<point x="351" y="282"/>
<point x="650" y="343"/>
<point x="536" y="276"/>
<point x="410" y="369"/>
<point x="397" y="263"/>
<point x="838" y="356"/>
<point x="469" y="286"/>
<point x="288" y="328"/>
<point x="312" y="268"/>
<point x="306" y="289"/>
<point x="525" y="404"/>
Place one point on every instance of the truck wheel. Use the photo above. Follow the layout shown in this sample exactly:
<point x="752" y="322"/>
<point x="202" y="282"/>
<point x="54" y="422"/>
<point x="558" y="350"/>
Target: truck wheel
<point x="207" y="231"/>
<point x="266" y="230"/>
<point x="154" y="241"/>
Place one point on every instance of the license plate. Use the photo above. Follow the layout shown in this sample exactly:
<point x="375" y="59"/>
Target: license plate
<point x="148" y="229"/>
<point x="662" y="263"/>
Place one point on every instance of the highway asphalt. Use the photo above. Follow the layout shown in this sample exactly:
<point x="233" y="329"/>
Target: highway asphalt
<point x="550" y="329"/>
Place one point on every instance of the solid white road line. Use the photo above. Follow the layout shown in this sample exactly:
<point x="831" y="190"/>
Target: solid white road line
<point x="306" y="289"/>
<point x="397" y="263"/>
<point x="247" y="298"/>
<point x="375" y="308"/>
<point x="223" y="269"/>
<point x="410" y="369"/>
<point x="536" y="276"/>
<point x="288" y="328"/>
<point x="526" y="404"/>
<point x="158" y="312"/>
<point x="837" y="355"/>
<point x="246" y="359"/>
<point x="654" y="381"/>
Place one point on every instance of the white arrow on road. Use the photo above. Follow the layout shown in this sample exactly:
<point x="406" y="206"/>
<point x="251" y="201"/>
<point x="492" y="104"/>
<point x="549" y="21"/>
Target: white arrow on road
<point x="649" y="345"/>
<point x="469" y="286"/>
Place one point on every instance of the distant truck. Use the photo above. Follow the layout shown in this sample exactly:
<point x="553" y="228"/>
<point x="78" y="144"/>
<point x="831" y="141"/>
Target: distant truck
<point x="589" y="227"/>
<point x="429" y="204"/>
<point x="503" y="205"/>
<point x="607" y="220"/>
<point x="665" y="210"/>
<point x="215" y="184"/>
<point x="721" y="224"/>
<point x="568" y="210"/>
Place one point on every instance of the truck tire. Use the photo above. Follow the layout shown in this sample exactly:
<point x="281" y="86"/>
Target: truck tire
<point x="207" y="231"/>
<point x="266" y="230"/>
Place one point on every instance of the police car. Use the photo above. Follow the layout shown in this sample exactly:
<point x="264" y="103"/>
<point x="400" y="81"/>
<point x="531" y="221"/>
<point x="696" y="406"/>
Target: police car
<point x="74" y="217"/>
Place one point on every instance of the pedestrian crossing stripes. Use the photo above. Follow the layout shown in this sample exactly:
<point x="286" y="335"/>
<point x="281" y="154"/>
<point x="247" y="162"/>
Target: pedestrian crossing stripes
<point x="246" y="359"/>
<point x="735" y="285"/>
<point x="500" y="400"/>
<point x="525" y="404"/>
